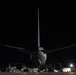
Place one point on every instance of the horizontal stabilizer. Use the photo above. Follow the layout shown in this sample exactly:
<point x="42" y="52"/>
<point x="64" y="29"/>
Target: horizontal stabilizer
<point x="18" y="48"/>
<point x="59" y="49"/>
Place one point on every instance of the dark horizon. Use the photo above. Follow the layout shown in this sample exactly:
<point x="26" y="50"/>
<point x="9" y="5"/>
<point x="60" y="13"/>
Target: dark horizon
<point x="19" y="28"/>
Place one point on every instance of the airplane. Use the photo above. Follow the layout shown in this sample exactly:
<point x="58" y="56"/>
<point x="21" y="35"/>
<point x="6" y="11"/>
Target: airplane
<point x="38" y="57"/>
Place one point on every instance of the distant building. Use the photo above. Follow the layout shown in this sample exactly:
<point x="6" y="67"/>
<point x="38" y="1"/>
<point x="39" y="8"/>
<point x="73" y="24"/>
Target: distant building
<point x="10" y="69"/>
<point x="66" y="70"/>
<point x="33" y="69"/>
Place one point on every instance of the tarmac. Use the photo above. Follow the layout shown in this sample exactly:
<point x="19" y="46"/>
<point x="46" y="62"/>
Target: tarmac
<point x="34" y="73"/>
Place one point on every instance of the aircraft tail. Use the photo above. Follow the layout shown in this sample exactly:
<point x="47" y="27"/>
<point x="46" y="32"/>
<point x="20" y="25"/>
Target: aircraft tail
<point x="38" y="30"/>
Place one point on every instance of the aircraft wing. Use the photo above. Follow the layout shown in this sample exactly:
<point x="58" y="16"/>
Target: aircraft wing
<point x="59" y="49"/>
<point x="18" y="48"/>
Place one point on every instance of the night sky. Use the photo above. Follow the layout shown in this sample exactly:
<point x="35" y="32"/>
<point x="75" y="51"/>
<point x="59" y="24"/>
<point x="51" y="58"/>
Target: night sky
<point x="18" y="27"/>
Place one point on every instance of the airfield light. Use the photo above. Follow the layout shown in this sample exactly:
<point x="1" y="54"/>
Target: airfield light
<point x="71" y="65"/>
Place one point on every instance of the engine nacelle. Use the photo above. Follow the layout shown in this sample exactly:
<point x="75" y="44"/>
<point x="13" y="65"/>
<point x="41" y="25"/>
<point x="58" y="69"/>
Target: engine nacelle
<point x="42" y="56"/>
<point x="39" y="57"/>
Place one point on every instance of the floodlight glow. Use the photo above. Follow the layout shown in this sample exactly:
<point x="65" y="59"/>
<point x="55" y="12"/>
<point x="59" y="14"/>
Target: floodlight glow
<point x="71" y="65"/>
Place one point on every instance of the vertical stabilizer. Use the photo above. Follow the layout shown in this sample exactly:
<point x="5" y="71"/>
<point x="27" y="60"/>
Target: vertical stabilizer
<point x="38" y="30"/>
